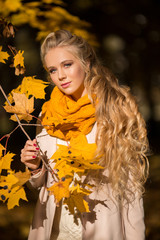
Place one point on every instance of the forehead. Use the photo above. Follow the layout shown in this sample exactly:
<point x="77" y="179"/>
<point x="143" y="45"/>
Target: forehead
<point x="59" y="54"/>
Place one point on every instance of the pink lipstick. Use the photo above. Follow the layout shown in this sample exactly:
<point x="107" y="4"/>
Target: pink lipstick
<point x="65" y="85"/>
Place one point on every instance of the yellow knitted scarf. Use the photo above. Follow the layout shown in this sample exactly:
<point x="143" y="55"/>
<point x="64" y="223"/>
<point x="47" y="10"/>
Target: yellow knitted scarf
<point x="65" y="118"/>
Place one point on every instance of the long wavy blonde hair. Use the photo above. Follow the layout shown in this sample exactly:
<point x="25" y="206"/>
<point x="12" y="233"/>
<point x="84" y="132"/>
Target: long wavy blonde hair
<point x="121" y="135"/>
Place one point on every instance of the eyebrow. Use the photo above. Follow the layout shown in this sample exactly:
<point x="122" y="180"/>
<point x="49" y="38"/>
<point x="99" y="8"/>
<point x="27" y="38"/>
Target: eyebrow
<point x="67" y="60"/>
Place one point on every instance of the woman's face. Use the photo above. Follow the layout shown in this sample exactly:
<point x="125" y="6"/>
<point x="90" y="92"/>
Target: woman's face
<point x="66" y="71"/>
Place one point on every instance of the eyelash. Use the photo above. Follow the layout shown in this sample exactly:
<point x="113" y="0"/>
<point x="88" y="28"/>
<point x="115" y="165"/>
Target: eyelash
<point x="66" y="65"/>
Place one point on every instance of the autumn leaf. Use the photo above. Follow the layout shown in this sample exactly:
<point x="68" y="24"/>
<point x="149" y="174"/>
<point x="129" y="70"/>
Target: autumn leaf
<point x="78" y="146"/>
<point x="78" y="155"/>
<point x="23" y="107"/>
<point x="30" y="86"/>
<point x="3" y="55"/>
<point x="22" y="177"/>
<point x="15" y="195"/>
<point x="63" y="169"/>
<point x="4" y="194"/>
<point x="18" y="63"/>
<point x="60" y="189"/>
<point x="10" y="95"/>
<point x="1" y="149"/>
<point x="11" y="187"/>
<point x="5" y="161"/>
<point x="9" y="180"/>
<point x="19" y="70"/>
<point x="19" y="59"/>
<point x="8" y="30"/>
<point x="34" y="87"/>
<point x="81" y="145"/>
<point x="76" y="199"/>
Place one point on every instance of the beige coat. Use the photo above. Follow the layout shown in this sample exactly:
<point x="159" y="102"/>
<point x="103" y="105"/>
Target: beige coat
<point x="104" y="222"/>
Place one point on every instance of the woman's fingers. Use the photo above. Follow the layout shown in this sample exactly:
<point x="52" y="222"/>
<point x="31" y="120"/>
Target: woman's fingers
<point x="29" y="154"/>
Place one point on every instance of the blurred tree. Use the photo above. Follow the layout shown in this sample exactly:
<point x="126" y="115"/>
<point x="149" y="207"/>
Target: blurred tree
<point x="46" y="16"/>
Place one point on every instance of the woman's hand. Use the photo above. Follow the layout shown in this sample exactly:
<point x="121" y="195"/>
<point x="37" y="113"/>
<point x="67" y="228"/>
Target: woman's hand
<point x="29" y="155"/>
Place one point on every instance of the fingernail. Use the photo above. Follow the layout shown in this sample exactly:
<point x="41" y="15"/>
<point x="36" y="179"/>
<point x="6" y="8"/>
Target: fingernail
<point x="34" y="156"/>
<point x="37" y="148"/>
<point x="35" y="145"/>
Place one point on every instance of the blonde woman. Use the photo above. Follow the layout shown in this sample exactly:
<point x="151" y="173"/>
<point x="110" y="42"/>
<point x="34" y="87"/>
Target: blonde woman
<point x="89" y="96"/>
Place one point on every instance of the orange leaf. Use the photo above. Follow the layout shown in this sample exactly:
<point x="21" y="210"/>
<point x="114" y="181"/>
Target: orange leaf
<point x="1" y="149"/>
<point x="60" y="189"/>
<point x="35" y="87"/>
<point x="3" y="55"/>
<point x="15" y="195"/>
<point x="5" y="161"/>
<point x="19" y="59"/>
<point x="22" y="177"/>
<point x="23" y="107"/>
<point x="76" y="200"/>
<point x="9" y="180"/>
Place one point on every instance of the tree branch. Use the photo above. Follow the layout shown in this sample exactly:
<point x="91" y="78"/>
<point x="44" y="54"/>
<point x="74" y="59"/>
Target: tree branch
<point x="19" y="123"/>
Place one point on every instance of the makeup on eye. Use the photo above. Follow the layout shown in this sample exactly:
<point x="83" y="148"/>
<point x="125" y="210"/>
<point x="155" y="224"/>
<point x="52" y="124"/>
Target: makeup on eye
<point x="65" y="64"/>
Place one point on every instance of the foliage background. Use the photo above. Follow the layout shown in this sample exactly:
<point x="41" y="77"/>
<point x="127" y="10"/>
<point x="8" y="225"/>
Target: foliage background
<point x="128" y="34"/>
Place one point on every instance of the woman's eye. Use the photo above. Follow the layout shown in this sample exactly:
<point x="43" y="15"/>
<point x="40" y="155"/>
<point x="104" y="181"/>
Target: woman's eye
<point x="52" y="71"/>
<point x="67" y="64"/>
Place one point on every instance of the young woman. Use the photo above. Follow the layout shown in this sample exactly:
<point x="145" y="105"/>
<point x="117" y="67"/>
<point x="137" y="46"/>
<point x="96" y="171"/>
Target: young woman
<point x="89" y="97"/>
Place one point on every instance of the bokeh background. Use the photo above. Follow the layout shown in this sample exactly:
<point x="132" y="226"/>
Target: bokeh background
<point x="126" y="36"/>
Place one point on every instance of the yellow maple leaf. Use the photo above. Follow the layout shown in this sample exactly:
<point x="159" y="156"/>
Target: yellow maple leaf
<point x="81" y="145"/>
<point x="14" y="197"/>
<point x="23" y="107"/>
<point x="9" y="180"/>
<point x="19" y="59"/>
<point x="22" y="177"/>
<point x="5" y="161"/>
<point x="76" y="199"/>
<point x="3" y="55"/>
<point x="63" y="169"/>
<point x="60" y="189"/>
<point x="78" y="147"/>
<point x="11" y="187"/>
<point x="4" y="194"/>
<point x="1" y="149"/>
<point x="79" y="155"/>
<point x="35" y="87"/>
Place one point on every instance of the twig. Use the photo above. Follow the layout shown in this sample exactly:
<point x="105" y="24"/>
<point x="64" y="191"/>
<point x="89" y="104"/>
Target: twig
<point x="19" y="123"/>
<point x="48" y="167"/>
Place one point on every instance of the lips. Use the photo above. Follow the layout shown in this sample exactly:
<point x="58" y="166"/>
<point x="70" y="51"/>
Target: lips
<point x="65" y="85"/>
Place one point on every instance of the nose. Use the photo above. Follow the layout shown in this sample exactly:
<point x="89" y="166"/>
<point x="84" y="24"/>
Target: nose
<point x="61" y="74"/>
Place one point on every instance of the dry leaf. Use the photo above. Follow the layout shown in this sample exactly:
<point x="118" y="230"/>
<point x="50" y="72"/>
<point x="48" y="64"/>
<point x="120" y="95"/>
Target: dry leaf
<point x="3" y="55"/>
<point x="8" y="30"/>
<point x="23" y="107"/>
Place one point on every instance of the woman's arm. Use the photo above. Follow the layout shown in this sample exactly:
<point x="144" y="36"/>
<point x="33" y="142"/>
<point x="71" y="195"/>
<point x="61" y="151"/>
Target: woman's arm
<point x="133" y="220"/>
